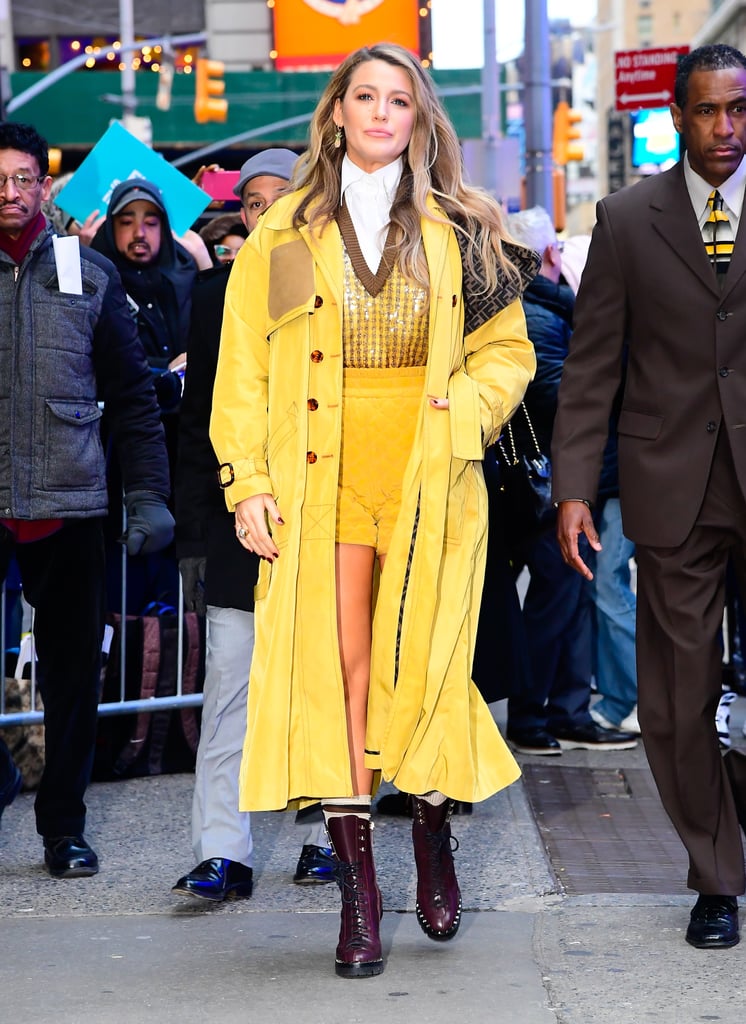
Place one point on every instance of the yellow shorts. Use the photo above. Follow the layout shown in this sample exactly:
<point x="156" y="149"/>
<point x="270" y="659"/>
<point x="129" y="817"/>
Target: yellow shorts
<point x="379" y="417"/>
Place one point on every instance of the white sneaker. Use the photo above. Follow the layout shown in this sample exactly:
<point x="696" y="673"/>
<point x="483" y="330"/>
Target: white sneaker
<point x="630" y="723"/>
<point x="722" y="718"/>
<point x="602" y="720"/>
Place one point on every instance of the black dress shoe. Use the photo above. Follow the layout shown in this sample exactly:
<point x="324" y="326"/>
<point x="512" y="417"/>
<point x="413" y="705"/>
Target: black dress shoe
<point x="396" y="804"/>
<point x="714" y="923"/>
<point x="217" y="879"/>
<point x="399" y="805"/>
<point x="735" y="769"/>
<point x="69" y="857"/>
<point x="533" y="741"/>
<point x="592" y="736"/>
<point x="316" y="866"/>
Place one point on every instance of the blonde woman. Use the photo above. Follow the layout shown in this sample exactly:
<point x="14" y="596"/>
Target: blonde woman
<point x="373" y="344"/>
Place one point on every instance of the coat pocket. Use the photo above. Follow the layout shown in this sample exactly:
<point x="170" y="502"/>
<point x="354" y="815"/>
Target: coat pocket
<point x="640" y="424"/>
<point x="465" y="421"/>
<point x="73" y="453"/>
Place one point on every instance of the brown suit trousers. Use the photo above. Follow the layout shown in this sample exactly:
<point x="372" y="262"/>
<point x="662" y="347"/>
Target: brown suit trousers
<point x="680" y="598"/>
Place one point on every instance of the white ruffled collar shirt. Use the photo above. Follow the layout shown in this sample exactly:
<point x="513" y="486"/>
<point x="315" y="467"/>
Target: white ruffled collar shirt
<point x="731" y="190"/>
<point x="368" y="198"/>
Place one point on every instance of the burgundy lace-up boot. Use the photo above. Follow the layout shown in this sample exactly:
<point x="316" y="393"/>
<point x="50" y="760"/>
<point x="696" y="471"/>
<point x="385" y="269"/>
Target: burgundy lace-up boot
<point x="359" y="947"/>
<point x="438" y="894"/>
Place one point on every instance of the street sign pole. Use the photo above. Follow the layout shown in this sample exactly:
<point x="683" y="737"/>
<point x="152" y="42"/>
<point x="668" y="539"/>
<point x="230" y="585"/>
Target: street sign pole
<point x="537" y="96"/>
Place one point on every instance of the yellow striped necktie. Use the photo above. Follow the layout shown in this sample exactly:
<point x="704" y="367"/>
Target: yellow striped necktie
<point x="718" y="235"/>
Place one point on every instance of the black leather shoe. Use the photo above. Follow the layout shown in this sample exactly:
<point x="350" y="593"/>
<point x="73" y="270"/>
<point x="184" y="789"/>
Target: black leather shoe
<point x="69" y="857"/>
<point x="316" y="866"/>
<point x="533" y="741"/>
<point x="592" y="736"/>
<point x="217" y="879"/>
<point x="11" y="789"/>
<point x="399" y="805"/>
<point x="714" y="923"/>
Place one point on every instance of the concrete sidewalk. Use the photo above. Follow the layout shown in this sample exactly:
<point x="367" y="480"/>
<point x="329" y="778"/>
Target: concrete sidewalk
<point x="119" y="948"/>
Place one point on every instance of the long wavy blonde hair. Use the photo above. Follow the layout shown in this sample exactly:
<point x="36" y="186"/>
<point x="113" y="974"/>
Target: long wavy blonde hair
<point x="432" y="163"/>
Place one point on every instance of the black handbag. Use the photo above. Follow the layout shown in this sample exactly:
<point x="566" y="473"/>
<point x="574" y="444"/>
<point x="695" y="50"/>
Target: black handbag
<point x="524" y="485"/>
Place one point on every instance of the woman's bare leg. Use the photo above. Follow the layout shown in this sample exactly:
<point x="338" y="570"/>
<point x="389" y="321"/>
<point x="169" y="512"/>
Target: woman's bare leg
<point x="354" y="572"/>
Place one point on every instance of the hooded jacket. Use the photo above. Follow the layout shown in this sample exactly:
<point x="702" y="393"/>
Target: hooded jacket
<point x="160" y="294"/>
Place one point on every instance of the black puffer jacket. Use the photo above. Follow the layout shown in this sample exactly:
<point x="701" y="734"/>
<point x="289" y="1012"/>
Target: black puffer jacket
<point x="549" y="309"/>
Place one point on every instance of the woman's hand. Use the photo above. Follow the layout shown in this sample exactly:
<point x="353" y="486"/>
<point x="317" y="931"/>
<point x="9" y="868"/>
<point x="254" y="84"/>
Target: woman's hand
<point x="251" y="525"/>
<point x="438" y="403"/>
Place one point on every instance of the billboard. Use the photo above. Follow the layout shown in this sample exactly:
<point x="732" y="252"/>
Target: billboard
<point x="654" y="138"/>
<point x="320" y="33"/>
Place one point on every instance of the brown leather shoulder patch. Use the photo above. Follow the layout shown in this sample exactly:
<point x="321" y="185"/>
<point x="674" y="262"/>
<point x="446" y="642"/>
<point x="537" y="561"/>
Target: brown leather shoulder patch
<point x="291" y="281"/>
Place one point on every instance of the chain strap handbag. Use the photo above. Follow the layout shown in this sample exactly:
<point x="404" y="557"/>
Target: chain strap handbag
<point x="525" y="484"/>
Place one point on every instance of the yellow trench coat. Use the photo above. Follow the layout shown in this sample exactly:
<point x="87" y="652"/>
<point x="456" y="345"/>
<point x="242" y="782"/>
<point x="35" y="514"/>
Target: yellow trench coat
<point x="277" y="420"/>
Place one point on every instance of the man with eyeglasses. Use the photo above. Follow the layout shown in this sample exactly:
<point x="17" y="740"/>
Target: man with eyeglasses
<point x="67" y="345"/>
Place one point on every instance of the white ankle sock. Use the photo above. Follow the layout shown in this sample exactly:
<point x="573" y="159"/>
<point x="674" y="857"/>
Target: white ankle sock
<point x="433" y="797"/>
<point x="338" y="807"/>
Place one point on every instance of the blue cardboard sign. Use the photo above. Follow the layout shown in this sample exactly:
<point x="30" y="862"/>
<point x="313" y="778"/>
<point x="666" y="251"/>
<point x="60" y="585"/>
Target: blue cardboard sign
<point x="118" y="156"/>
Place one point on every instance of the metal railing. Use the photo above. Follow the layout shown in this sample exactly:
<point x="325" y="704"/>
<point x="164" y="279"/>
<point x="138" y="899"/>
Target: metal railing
<point x="123" y="705"/>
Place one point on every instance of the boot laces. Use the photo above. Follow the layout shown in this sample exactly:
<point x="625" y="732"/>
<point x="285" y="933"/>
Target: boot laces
<point x="355" y="896"/>
<point x="440" y="844"/>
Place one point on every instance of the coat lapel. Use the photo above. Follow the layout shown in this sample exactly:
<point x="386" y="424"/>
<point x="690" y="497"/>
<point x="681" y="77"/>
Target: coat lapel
<point x="672" y="217"/>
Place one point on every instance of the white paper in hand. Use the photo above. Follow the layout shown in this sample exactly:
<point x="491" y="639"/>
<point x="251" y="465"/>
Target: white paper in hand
<point x="67" y="258"/>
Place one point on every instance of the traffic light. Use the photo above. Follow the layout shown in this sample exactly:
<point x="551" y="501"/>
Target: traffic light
<point x="209" y="85"/>
<point x="564" y="148"/>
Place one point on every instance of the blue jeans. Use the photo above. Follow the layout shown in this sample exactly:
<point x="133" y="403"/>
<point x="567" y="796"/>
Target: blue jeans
<point x="616" y="606"/>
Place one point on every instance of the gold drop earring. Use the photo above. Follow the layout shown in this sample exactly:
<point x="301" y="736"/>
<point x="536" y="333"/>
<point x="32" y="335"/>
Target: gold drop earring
<point x="338" y="136"/>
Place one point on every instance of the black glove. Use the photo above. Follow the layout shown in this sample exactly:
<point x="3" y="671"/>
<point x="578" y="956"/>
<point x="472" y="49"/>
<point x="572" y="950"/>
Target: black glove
<point x="193" y="580"/>
<point x="168" y="388"/>
<point x="150" y="526"/>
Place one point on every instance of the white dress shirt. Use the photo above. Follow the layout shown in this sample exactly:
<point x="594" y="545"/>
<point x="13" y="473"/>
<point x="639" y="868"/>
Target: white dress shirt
<point x="731" y="190"/>
<point x="368" y="198"/>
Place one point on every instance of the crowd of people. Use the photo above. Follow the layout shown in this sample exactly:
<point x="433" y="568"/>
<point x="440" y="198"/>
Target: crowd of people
<point x="295" y="402"/>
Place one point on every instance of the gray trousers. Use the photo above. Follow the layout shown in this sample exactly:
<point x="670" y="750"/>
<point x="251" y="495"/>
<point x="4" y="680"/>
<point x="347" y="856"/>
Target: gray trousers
<point x="219" y="829"/>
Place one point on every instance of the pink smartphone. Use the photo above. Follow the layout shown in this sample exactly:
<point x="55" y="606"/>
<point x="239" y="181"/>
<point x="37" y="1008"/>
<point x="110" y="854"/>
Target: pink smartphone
<point x="219" y="184"/>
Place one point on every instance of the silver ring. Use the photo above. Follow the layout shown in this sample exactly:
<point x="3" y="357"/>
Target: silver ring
<point x="243" y="533"/>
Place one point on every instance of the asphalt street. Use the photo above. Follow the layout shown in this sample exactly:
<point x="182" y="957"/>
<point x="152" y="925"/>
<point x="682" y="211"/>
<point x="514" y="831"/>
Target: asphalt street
<point x="120" y="948"/>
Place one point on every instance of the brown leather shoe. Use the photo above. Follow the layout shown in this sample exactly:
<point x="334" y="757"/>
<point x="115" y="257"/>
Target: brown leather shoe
<point x="359" y="947"/>
<point x="438" y="895"/>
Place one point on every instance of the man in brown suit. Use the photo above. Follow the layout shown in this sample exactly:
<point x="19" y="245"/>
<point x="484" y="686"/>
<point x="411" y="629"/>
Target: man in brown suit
<point x="650" y="293"/>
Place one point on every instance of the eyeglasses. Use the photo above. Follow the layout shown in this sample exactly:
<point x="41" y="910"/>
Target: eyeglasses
<point x="224" y="251"/>
<point x="23" y="182"/>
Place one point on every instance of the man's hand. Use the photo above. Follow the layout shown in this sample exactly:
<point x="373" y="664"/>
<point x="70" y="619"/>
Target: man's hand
<point x="574" y="518"/>
<point x="150" y="526"/>
<point x="88" y="230"/>
<point x="192" y="571"/>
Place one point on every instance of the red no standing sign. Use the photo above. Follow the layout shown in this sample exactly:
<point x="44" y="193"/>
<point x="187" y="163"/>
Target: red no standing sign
<point x="645" y="78"/>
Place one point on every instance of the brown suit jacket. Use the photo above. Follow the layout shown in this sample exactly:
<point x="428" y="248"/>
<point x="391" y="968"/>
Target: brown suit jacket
<point x="648" y="283"/>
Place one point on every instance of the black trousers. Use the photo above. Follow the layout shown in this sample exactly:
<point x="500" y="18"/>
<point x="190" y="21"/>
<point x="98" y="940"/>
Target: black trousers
<point x="63" y="579"/>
